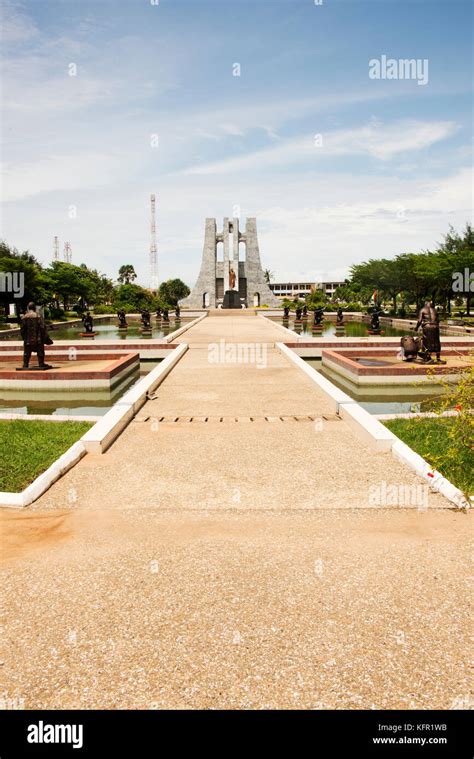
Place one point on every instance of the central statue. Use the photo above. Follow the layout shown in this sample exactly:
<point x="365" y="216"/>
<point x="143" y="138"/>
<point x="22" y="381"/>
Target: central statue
<point x="232" y="278"/>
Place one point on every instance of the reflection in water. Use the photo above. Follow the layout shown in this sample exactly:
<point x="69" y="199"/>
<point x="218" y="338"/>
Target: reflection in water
<point x="380" y="399"/>
<point x="76" y="402"/>
<point x="329" y="329"/>
<point x="109" y="330"/>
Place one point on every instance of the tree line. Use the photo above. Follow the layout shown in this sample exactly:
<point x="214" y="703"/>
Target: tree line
<point x="442" y="276"/>
<point x="63" y="287"/>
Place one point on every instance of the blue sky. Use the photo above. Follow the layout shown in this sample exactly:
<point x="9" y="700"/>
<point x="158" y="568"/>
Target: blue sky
<point x="390" y="170"/>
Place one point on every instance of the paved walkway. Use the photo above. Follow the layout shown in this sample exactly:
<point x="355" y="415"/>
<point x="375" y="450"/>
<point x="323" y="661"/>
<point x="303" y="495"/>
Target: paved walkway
<point x="233" y="562"/>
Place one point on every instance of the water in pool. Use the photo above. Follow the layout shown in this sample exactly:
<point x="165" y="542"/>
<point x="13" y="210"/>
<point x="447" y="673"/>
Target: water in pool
<point x="351" y="328"/>
<point x="70" y="403"/>
<point x="400" y="399"/>
<point x="107" y="329"/>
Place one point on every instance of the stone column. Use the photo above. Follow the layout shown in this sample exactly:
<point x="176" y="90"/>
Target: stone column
<point x="235" y="253"/>
<point x="225" y="239"/>
<point x="206" y="281"/>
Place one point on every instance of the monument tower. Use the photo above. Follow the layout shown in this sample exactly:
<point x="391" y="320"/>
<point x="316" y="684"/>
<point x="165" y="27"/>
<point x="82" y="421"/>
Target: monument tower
<point x="226" y="278"/>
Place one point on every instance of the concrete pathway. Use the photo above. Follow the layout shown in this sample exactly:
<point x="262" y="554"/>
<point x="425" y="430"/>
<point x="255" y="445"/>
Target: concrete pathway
<point x="234" y="562"/>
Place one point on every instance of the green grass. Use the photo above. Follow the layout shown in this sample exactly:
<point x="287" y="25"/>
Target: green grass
<point x="29" y="448"/>
<point x="430" y="438"/>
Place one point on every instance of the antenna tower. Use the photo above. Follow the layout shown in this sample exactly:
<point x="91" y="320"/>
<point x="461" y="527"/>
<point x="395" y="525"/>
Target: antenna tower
<point x="67" y="252"/>
<point x="153" y="249"/>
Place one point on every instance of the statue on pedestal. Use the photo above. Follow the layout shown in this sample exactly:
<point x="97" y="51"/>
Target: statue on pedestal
<point x="177" y="313"/>
<point x="35" y="337"/>
<point x="146" y="319"/>
<point x="122" y="319"/>
<point x="430" y="336"/>
<point x="232" y="278"/>
<point x="375" y="320"/>
<point x="340" y="316"/>
<point x="286" y="312"/>
<point x="299" y="311"/>
<point x="318" y="315"/>
<point x="166" y="316"/>
<point x="88" y="323"/>
<point x="158" y="313"/>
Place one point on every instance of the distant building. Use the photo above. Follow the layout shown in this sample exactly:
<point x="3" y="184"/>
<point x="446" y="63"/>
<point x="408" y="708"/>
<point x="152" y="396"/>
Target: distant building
<point x="301" y="289"/>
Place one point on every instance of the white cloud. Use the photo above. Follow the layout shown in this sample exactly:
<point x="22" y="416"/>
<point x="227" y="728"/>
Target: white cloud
<point x="16" y="26"/>
<point x="381" y="141"/>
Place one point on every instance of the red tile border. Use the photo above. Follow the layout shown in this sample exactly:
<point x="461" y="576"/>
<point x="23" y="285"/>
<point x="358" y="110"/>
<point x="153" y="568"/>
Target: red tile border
<point x="116" y="366"/>
<point x="405" y="369"/>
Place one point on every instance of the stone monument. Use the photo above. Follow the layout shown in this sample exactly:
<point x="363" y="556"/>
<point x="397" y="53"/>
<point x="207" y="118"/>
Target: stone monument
<point x="227" y="278"/>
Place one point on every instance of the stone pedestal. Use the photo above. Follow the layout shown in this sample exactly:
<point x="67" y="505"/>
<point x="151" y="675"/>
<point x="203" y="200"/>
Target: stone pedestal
<point x="231" y="299"/>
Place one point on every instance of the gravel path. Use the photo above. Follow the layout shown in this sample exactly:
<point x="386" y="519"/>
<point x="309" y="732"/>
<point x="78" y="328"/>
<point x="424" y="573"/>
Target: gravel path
<point x="232" y="563"/>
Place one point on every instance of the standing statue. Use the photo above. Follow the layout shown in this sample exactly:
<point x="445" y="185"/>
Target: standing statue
<point x="318" y="315"/>
<point x="340" y="316"/>
<point x="305" y="311"/>
<point x="177" y="312"/>
<point x="430" y="340"/>
<point x="231" y="278"/>
<point x="88" y="323"/>
<point x="166" y="316"/>
<point x="35" y="337"/>
<point x="286" y="312"/>
<point x="122" y="319"/>
<point x="158" y="313"/>
<point x="298" y="313"/>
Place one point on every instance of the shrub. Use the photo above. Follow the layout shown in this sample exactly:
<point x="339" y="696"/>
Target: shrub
<point x="102" y="309"/>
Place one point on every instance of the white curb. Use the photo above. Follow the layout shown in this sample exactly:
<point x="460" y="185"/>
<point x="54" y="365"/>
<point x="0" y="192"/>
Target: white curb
<point x="46" y="479"/>
<point x="105" y="431"/>
<point x="184" y="328"/>
<point x="371" y="431"/>
<point x="100" y="436"/>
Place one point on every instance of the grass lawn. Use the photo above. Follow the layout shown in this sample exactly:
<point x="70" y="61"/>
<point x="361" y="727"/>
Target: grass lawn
<point x="29" y="448"/>
<point x="429" y="438"/>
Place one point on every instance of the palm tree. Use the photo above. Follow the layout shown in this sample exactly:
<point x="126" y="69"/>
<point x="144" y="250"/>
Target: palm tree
<point x="268" y="275"/>
<point x="126" y="274"/>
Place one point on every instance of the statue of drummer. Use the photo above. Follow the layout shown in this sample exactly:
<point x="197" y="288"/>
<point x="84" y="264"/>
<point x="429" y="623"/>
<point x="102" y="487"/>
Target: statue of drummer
<point x="430" y="340"/>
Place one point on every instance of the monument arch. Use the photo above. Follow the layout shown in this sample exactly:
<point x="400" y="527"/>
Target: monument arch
<point x="230" y="282"/>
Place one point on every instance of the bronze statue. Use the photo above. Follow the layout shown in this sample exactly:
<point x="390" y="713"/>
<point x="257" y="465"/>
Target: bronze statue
<point x="166" y="317"/>
<point x="231" y="278"/>
<point x="88" y="322"/>
<point x="430" y="340"/>
<point x="340" y="316"/>
<point x="375" y="319"/>
<point x="305" y="311"/>
<point x="318" y="315"/>
<point x="122" y="318"/>
<point x="177" y="312"/>
<point x="410" y="346"/>
<point x="158" y="313"/>
<point x="286" y="312"/>
<point x="146" y="319"/>
<point x="298" y="313"/>
<point x="35" y="337"/>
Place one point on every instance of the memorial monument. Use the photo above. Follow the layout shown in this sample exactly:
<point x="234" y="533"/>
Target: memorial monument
<point x="227" y="278"/>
